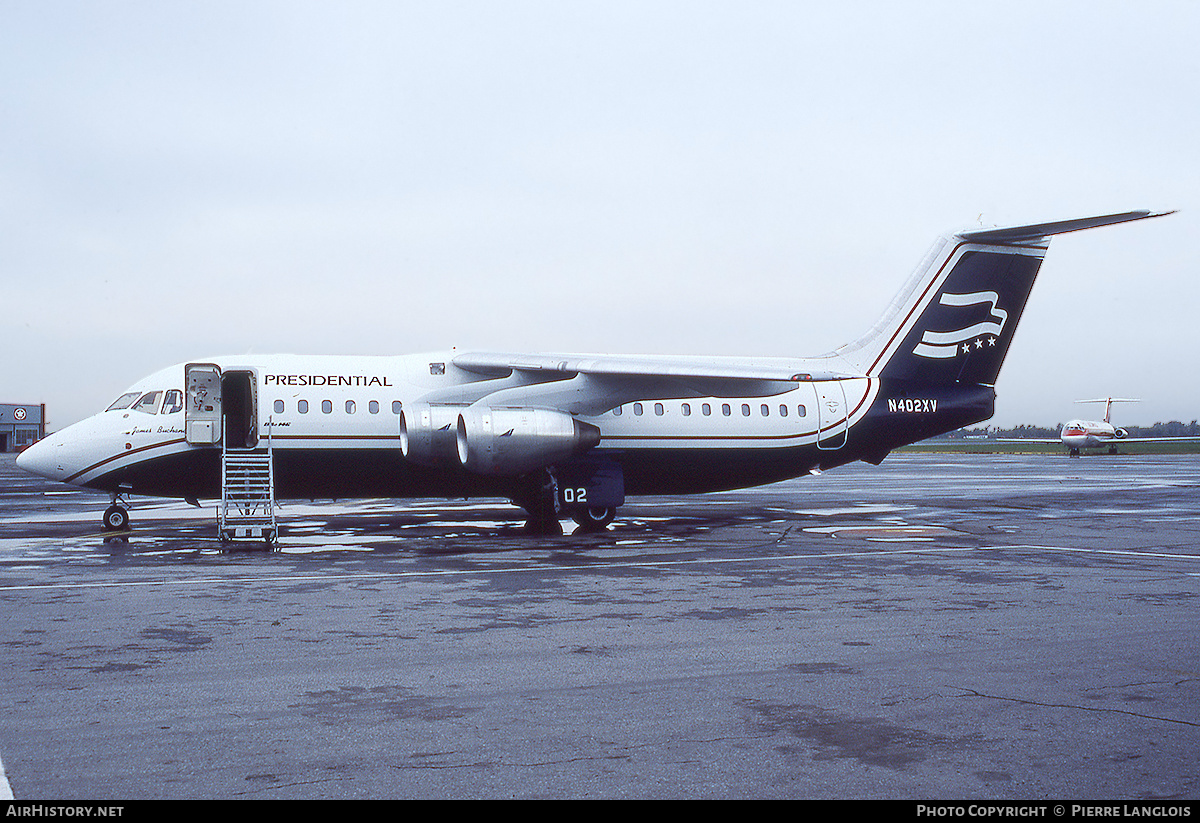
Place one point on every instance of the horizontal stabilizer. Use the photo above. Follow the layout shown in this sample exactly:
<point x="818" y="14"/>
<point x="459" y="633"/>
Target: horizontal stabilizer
<point x="1017" y="234"/>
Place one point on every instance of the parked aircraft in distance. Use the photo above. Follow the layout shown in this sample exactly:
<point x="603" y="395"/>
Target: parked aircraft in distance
<point x="1091" y="434"/>
<point x="568" y="434"/>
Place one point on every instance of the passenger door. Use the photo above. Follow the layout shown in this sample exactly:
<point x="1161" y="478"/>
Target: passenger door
<point x="239" y="399"/>
<point x="202" y="409"/>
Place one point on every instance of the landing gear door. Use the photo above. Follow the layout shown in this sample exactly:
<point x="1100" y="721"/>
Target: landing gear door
<point x="832" y="424"/>
<point x="588" y="482"/>
<point x="202" y="414"/>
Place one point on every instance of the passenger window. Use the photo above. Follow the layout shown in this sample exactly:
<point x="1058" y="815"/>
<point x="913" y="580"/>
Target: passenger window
<point x="637" y="408"/>
<point x="279" y="407"/>
<point x="745" y="410"/>
<point x="302" y="406"/>
<point x="349" y="407"/>
<point x="149" y="403"/>
<point x="173" y="402"/>
<point x="326" y="406"/>
<point x="658" y="409"/>
<point x="397" y="407"/>
<point x="800" y="412"/>
<point x="618" y="411"/>
<point x="373" y="407"/>
<point x="766" y="412"/>
<point x="686" y="409"/>
<point x="725" y="409"/>
<point x="706" y="409"/>
<point x="782" y="410"/>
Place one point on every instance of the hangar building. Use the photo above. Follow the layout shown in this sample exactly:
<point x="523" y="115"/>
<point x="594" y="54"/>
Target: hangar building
<point x="21" y="424"/>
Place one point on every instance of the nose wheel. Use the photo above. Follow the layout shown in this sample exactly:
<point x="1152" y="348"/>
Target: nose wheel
<point x="116" y="519"/>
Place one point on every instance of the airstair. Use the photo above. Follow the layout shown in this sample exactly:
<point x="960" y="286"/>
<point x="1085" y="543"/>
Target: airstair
<point x="247" y="510"/>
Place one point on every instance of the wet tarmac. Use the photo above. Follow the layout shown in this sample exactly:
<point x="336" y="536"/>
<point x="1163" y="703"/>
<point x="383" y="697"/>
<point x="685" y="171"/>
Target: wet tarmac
<point x="1001" y="627"/>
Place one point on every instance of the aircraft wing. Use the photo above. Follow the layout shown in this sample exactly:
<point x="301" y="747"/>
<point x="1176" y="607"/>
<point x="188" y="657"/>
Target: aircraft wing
<point x="715" y="368"/>
<point x="595" y="383"/>
<point x="1028" y="440"/>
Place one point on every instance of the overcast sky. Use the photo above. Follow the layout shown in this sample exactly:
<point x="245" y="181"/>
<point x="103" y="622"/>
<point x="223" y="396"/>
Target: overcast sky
<point x="180" y="180"/>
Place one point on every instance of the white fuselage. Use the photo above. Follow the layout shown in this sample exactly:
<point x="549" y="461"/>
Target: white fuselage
<point x="1081" y="434"/>
<point x="352" y="404"/>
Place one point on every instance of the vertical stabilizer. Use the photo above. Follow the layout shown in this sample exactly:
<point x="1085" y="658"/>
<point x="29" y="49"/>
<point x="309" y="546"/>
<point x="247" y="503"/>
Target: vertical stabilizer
<point x="954" y="320"/>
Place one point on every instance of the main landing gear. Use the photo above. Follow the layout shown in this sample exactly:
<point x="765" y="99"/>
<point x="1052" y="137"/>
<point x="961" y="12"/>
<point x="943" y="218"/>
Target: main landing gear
<point x="594" y="519"/>
<point x="539" y="499"/>
<point x="543" y="501"/>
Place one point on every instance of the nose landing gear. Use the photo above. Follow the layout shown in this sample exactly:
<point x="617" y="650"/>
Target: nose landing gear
<point x="116" y="519"/>
<point x="116" y="516"/>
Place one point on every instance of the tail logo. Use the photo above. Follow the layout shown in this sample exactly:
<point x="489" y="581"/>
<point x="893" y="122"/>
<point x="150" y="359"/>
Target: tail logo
<point x="942" y="345"/>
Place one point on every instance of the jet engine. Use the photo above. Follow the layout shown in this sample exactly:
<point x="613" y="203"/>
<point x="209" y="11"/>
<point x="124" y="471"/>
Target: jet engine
<point x="515" y="441"/>
<point x="427" y="433"/>
<point x="1121" y="433"/>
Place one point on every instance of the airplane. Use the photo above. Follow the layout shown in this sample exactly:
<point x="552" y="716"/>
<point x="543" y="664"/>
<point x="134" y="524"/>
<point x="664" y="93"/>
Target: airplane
<point x="571" y="435"/>
<point x="1091" y="434"/>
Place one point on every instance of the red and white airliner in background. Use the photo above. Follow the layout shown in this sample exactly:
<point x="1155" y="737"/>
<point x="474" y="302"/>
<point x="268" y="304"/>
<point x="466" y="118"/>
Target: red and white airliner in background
<point x="1093" y="434"/>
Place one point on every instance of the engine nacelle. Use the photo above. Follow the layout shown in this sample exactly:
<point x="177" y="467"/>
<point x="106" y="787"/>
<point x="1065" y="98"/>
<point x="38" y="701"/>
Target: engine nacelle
<point x="1121" y="433"/>
<point x="516" y="441"/>
<point x="428" y="432"/>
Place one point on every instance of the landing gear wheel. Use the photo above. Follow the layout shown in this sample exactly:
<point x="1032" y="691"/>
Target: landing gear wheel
<point x="116" y="519"/>
<point x="544" y="527"/>
<point x="594" y="519"/>
<point x="540" y="501"/>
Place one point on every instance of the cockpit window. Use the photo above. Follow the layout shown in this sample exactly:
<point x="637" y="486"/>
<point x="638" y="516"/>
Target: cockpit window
<point x="149" y="402"/>
<point x="173" y="402"/>
<point x="124" y="401"/>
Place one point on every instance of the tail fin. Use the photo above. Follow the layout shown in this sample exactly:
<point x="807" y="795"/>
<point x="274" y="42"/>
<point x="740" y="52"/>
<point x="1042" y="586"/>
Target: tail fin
<point x="1108" y="401"/>
<point x="954" y="319"/>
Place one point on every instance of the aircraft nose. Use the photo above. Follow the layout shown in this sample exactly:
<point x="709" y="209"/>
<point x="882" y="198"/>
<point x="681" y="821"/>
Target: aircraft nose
<point x="43" y="458"/>
<point x="34" y="458"/>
